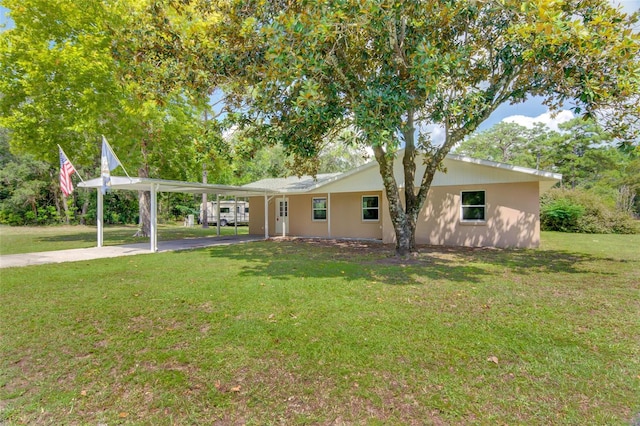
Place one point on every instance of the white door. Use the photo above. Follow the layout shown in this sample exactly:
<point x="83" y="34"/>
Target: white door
<point x="282" y="216"/>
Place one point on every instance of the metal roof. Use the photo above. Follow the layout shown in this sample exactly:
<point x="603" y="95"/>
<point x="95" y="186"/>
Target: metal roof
<point x="162" y="185"/>
<point x="294" y="184"/>
<point x="304" y="184"/>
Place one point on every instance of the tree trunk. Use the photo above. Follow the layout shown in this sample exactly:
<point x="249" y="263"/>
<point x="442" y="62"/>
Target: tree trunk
<point x="144" y="197"/>
<point x="144" y="206"/>
<point x="83" y="214"/>
<point x="403" y="217"/>
<point x="144" y="200"/>
<point x="65" y="207"/>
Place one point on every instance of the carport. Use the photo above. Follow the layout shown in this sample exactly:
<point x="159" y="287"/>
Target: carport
<point x="160" y="185"/>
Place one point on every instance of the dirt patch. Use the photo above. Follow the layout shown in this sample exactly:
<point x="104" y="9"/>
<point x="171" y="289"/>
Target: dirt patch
<point x="368" y="251"/>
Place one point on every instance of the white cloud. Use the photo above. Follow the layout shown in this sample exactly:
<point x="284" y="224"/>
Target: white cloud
<point x="551" y="120"/>
<point x="435" y="132"/>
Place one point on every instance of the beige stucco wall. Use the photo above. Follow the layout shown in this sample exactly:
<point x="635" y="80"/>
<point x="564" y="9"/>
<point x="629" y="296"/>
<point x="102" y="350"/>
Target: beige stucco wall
<point x="256" y="215"/>
<point x="512" y="217"/>
<point x="346" y="216"/>
<point x="344" y="221"/>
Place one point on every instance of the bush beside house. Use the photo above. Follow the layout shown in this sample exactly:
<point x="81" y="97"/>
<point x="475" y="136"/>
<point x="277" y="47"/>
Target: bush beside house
<point x="582" y="211"/>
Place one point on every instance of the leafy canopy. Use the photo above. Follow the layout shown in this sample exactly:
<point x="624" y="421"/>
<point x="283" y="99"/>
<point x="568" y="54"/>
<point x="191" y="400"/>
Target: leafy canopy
<point x="300" y="70"/>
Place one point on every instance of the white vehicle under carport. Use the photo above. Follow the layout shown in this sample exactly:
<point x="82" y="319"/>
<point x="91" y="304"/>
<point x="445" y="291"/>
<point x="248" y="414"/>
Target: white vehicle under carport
<point x="231" y="213"/>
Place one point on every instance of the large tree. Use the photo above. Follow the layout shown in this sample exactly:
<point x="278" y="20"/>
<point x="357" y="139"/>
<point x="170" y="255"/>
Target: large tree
<point x="60" y="83"/>
<point x="505" y="142"/>
<point x="395" y="69"/>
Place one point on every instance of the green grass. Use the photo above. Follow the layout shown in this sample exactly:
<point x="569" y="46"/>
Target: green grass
<point x="305" y="332"/>
<point x="14" y="240"/>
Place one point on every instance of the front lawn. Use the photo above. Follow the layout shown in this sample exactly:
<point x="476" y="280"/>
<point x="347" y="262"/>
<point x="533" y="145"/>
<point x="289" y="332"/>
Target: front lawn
<point x="310" y="332"/>
<point x="29" y="239"/>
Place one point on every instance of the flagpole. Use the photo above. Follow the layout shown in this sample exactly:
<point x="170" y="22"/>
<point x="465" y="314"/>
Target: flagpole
<point x="114" y="154"/>
<point x="67" y="157"/>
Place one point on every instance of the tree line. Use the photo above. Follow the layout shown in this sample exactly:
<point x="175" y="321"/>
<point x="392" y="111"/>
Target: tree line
<point x="600" y="174"/>
<point x="30" y="191"/>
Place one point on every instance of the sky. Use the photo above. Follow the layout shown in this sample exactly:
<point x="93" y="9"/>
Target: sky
<point x="525" y="113"/>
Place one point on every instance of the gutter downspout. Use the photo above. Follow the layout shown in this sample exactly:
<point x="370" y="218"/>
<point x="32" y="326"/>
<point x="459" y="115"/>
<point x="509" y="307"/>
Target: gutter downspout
<point x="266" y="216"/>
<point x="329" y="215"/>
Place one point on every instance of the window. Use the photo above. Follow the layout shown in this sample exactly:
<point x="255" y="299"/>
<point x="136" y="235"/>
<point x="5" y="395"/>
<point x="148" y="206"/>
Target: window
<point x="225" y="210"/>
<point x="283" y="207"/>
<point x="319" y="208"/>
<point x="473" y="206"/>
<point x="370" y="207"/>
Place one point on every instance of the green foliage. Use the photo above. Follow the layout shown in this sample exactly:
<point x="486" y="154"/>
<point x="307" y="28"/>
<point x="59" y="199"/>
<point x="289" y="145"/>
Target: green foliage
<point x="302" y="70"/>
<point x="586" y="155"/>
<point x="504" y="142"/>
<point x="62" y="84"/>
<point x="120" y="207"/>
<point x="583" y="211"/>
<point x="25" y="189"/>
<point x="561" y="215"/>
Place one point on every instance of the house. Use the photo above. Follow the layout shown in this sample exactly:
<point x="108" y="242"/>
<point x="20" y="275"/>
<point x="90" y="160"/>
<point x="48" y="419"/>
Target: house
<point x="475" y="203"/>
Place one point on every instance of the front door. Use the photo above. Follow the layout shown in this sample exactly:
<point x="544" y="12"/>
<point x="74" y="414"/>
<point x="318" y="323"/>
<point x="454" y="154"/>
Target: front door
<point x="282" y="216"/>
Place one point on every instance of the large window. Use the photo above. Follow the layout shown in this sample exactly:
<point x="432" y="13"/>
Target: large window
<point x="319" y="208"/>
<point x="473" y="206"/>
<point x="370" y="207"/>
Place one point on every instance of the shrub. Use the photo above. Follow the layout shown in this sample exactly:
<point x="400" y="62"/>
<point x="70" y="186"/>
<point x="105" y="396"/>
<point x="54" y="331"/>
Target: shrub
<point x="583" y="211"/>
<point x="561" y="215"/>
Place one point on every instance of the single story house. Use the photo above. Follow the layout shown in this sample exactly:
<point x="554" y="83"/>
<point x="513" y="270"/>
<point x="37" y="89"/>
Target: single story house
<point x="475" y="203"/>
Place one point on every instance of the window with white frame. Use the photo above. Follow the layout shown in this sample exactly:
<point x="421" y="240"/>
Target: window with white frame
<point x="370" y="207"/>
<point x="319" y="208"/>
<point x="473" y="206"/>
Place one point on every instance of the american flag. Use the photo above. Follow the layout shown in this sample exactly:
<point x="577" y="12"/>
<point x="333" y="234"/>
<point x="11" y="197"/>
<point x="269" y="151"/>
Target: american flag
<point x="66" y="170"/>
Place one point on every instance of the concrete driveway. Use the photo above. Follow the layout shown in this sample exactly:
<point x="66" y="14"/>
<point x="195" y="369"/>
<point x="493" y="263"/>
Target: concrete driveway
<point x="73" y="255"/>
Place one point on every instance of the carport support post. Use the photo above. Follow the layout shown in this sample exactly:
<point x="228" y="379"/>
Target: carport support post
<point x="100" y="218"/>
<point x="266" y="217"/>
<point x="285" y="215"/>
<point x="154" y="219"/>
<point x="329" y="214"/>
<point x="235" y="214"/>
<point x="218" y="214"/>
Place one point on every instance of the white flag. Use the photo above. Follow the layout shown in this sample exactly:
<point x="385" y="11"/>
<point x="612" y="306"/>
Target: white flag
<point x="108" y="162"/>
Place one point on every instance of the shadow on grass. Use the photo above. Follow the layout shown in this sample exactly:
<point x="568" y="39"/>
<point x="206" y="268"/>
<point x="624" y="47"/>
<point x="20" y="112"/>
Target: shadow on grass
<point x="121" y="233"/>
<point x="125" y="235"/>
<point x="351" y="260"/>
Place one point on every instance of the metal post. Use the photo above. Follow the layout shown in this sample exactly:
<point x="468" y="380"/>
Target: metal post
<point x="100" y="218"/>
<point x="218" y="214"/>
<point x="204" y="211"/>
<point x="329" y="215"/>
<point x="266" y="217"/>
<point x="154" y="219"/>
<point x="235" y="214"/>
<point x="285" y="213"/>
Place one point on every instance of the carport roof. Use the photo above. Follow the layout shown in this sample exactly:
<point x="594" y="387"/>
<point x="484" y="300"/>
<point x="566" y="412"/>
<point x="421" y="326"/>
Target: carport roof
<point x="162" y="185"/>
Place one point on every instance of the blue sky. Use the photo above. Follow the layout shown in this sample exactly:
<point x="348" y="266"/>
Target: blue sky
<point x="4" y="20"/>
